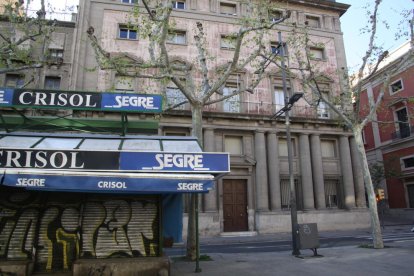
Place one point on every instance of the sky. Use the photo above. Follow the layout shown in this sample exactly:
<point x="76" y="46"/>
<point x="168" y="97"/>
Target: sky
<point x="352" y="22"/>
<point x="355" y="18"/>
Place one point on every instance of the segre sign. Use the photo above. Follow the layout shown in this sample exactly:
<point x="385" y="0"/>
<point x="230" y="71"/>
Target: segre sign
<point x="83" y="160"/>
<point x="104" y="184"/>
<point x="105" y="101"/>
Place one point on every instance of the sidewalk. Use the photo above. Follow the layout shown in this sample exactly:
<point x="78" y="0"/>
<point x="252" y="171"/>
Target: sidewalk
<point x="349" y="260"/>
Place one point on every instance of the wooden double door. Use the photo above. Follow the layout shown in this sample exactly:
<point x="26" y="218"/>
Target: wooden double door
<point x="235" y="205"/>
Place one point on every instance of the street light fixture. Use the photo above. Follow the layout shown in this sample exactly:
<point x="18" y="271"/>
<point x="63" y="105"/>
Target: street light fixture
<point x="289" y="102"/>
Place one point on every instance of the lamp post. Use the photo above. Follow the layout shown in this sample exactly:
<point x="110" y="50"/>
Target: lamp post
<point x="289" y="102"/>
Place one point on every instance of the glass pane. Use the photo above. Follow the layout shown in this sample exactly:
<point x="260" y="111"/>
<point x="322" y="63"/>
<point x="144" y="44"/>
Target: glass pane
<point x="59" y="143"/>
<point x="100" y="144"/>
<point x="18" y="142"/>
<point x="283" y="150"/>
<point x="52" y="83"/>
<point x="181" y="146"/>
<point x="328" y="149"/>
<point x="132" y="34"/>
<point x="141" y="144"/>
<point x="233" y="145"/>
<point x="279" y="97"/>
<point x="123" y="33"/>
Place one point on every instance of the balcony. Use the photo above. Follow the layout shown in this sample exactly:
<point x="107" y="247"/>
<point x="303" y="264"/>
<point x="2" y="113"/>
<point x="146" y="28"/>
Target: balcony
<point x="263" y="109"/>
<point x="403" y="132"/>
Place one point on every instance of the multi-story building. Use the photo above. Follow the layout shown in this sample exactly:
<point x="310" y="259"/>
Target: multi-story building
<point x="388" y="139"/>
<point x="254" y="197"/>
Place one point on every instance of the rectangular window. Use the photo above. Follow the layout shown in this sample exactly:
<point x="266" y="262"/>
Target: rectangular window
<point x="52" y="83"/>
<point x="126" y="32"/>
<point x="275" y="15"/>
<point x="403" y="123"/>
<point x="277" y="49"/>
<point x="285" y="194"/>
<point x="14" y="81"/>
<point x="228" y="8"/>
<point x="124" y="83"/>
<point x="228" y="42"/>
<point x="177" y="37"/>
<point x="55" y="53"/>
<point x="174" y="97"/>
<point x="408" y="162"/>
<point x="313" y="21"/>
<point x="396" y="86"/>
<point x="283" y="149"/>
<point x="130" y="1"/>
<point x="332" y="195"/>
<point x="179" y="5"/>
<point x="233" y="145"/>
<point x="323" y="109"/>
<point x="317" y="53"/>
<point x="328" y="149"/>
<point x="231" y="104"/>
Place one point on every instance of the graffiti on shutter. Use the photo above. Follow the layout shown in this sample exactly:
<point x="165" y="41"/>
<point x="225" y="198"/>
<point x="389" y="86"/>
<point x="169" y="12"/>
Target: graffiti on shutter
<point x="56" y="229"/>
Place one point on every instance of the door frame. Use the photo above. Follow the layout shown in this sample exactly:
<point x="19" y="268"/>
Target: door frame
<point x="250" y="205"/>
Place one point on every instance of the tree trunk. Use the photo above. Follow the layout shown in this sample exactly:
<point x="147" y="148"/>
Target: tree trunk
<point x="375" y="222"/>
<point x="197" y="131"/>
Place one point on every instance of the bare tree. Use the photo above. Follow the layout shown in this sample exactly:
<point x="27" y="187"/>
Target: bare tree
<point x="200" y="80"/>
<point x="347" y="105"/>
<point x="21" y="36"/>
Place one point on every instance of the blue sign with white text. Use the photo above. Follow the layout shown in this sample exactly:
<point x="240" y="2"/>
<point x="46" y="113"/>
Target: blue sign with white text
<point x="80" y="100"/>
<point x="131" y="102"/>
<point x="175" y="162"/>
<point x="6" y="96"/>
<point x="74" y="183"/>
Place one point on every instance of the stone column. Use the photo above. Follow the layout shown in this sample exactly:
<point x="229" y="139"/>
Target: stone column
<point x="262" y="199"/>
<point x="274" y="171"/>
<point x="347" y="176"/>
<point x="317" y="172"/>
<point x="306" y="171"/>
<point x="210" y="199"/>
<point x="358" y="175"/>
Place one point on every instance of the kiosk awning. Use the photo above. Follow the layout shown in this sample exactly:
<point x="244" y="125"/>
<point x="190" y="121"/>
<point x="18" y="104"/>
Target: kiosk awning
<point x="67" y="181"/>
<point x="96" y="163"/>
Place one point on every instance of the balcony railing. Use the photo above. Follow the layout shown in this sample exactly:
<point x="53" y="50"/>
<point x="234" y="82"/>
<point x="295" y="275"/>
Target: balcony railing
<point x="264" y="109"/>
<point x="403" y="133"/>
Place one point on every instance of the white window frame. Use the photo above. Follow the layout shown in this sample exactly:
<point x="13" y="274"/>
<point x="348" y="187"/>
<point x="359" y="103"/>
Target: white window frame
<point x="228" y="4"/>
<point x="174" y="35"/>
<point x="403" y="167"/>
<point x="391" y="84"/>
<point x="397" y="123"/>
<point x="129" y="30"/>
<point x="176" y="3"/>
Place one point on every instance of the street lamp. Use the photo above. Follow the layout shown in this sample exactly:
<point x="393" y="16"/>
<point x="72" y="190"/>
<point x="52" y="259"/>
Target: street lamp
<point x="289" y="102"/>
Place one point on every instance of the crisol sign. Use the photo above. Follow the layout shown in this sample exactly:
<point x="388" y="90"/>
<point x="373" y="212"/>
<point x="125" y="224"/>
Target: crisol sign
<point x="81" y="160"/>
<point x="105" y="101"/>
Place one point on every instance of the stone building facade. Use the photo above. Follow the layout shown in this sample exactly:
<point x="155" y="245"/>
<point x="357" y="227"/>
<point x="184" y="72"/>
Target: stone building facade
<point x="254" y="197"/>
